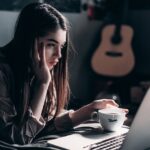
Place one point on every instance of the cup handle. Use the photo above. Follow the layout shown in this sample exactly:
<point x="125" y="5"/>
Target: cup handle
<point x="94" y="116"/>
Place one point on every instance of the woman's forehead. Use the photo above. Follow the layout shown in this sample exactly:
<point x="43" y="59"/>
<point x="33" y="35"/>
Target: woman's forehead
<point x="57" y="36"/>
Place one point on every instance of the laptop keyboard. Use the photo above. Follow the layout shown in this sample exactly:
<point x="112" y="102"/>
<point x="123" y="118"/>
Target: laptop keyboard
<point x="113" y="143"/>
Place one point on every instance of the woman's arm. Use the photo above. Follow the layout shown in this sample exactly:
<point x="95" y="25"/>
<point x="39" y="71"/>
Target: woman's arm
<point x="10" y="131"/>
<point x="72" y="118"/>
<point x="42" y="77"/>
<point x="84" y="113"/>
<point x="38" y="99"/>
<point x="68" y="119"/>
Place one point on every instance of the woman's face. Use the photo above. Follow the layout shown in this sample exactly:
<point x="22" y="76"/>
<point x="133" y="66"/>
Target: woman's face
<point x="53" y="43"/>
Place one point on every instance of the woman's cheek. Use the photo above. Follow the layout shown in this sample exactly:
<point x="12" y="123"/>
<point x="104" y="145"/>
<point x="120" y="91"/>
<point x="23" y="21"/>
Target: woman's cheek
<point x="49" y="54"/>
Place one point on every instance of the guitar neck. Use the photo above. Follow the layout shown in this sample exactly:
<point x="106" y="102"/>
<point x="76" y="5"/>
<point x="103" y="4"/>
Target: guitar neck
<point x="116" y="38"/>
<point x="123" y="8"/>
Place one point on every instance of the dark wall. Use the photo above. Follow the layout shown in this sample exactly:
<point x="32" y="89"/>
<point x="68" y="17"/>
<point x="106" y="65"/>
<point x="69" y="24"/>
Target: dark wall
<point x="85" y="35"/>
<point x="140" y="21"/>
<point x="85" y="83"/>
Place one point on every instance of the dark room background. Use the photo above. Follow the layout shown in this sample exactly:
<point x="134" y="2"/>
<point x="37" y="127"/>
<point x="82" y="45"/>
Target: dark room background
<point x="85" y="34"/>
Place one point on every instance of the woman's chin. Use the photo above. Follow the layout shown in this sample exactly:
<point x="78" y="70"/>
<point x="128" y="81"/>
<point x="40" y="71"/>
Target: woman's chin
<point x="50" y="67"/>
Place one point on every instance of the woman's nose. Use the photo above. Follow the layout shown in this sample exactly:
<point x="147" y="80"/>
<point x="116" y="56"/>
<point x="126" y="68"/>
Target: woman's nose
<point x="58" y="52"/>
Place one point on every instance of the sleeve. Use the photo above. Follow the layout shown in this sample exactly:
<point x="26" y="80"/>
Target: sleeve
<point x="63" y="121"/>
<point x="9" y="131"/>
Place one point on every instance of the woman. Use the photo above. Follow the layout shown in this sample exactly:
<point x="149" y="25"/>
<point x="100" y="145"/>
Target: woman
<point x="34" y="78"/>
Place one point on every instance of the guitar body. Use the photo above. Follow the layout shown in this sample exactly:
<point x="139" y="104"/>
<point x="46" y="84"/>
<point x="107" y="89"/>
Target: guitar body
<point x="115" y="60"/>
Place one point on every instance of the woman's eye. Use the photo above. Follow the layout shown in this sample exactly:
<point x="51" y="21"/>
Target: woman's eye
<point x="51" y="45"/>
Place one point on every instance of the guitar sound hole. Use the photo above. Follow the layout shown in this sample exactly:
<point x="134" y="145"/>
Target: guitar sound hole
<point x="114" y="54"/>
<point x="116" y="39"/>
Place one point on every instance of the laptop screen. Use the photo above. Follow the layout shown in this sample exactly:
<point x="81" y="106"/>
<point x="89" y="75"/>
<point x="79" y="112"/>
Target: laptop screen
<point x="138" y="138"/>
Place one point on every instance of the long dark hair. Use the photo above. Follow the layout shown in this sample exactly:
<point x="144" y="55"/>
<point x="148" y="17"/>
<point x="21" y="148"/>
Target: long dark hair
<point x="36" y="20"/>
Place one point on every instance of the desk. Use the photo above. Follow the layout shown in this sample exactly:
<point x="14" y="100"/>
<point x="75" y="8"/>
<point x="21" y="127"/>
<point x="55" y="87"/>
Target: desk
<point x="85" y="134"/>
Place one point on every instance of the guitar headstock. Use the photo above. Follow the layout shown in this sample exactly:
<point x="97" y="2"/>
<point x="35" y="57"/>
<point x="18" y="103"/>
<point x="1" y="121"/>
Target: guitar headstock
<point x="98" y="9"/>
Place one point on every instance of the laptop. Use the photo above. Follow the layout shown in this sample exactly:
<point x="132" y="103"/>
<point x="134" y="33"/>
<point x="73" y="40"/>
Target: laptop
<point x="91" y="137"/>
<point x="138" y="137"/>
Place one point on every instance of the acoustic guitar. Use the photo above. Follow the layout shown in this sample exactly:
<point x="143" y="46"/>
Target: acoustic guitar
<point x="114" y="55"/>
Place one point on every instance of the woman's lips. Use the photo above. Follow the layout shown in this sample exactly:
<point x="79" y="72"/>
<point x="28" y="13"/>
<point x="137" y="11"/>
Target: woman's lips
<point x="53" y="62"/>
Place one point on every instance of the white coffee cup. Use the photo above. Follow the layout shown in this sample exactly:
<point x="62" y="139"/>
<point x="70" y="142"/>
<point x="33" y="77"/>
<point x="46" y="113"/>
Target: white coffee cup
<point x="111" y="119"/>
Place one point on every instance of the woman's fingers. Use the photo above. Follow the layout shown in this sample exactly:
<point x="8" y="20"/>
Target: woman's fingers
<point x="35" y="54"/>
<point x="42" y="54"/>
<point x="112" y="102"/>
<point x="124" y="110"/>
<point x="105" y="103"/>
<point x="39" y="53"/>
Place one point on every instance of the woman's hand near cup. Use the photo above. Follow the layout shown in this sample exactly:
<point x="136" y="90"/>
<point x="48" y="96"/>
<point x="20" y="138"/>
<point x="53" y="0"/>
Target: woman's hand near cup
<point x="106" y="103"/>
<point x="84" y="113"/>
